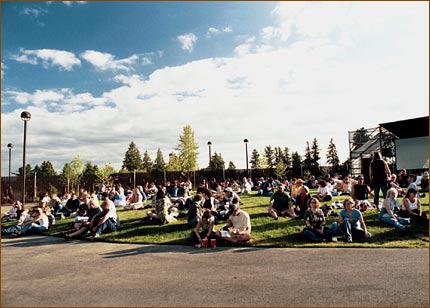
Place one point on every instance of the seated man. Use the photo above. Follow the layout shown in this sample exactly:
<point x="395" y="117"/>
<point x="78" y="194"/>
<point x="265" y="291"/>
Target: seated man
<point x="302" y="200"/>
<point x="71" y="206"/>
<point x="268" y="188"/>
<point x="360" y="193"/>
<point x="280" y="204"/>
<point x="238" y="227"/>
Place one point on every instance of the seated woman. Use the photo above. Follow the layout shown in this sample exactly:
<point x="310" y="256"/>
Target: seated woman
<point x="246" y="186"/>
<point x="346" y="186"/>
<point x="238" y="227"/>
<point x="360" y="194"/>
<point x="161" y="213"/>
<point x="13" y="212"/>
<point x="393" y="183"/>
<point x="323" y="193"/>
<point x="142" y="192"/>
<point x="302" y="200"/>
<point x="315" y="223"/>
<point x="195" y="211"/>
<point x="119" y="196"/>
<point x="38" y="224"/>
<point x="387" y="211"/>
<point x="411" y="208"/>
<point x="135" y="202"/>
<point x="235" y="187"/>
<point x="209" y="200"/>
<point x="85" y="214"/>
<point x="352" y="222"/>
<point x="204" y="230"/>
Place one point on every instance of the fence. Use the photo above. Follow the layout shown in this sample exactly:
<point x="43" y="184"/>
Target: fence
<point x="36" y="186"/>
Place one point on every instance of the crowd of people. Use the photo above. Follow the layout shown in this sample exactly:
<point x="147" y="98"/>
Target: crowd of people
<point x="214" y="203"/>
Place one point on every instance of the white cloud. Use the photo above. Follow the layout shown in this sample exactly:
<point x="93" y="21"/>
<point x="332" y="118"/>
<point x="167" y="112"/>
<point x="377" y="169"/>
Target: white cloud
<point x="48" y="57"/>
<point x="187" y="41"/>
<point x="34" y="12"/>
<point x="315" y="86"/>
<point x="212" y="31"/>
<point x="3" y="67"/>
<point x="71" y="3"/>
<point x="105" y="61"/>
<point x="245" y="48"/>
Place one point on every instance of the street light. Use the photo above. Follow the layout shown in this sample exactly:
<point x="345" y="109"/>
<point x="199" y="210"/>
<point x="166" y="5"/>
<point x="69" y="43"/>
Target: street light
<point x="9" y="146"/>
<point x="246" y="153"/>
<point x="210" y="152"/>
<point x="25" y="116"/>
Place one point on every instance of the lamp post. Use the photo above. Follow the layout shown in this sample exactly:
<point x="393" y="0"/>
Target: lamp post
<point x="246" y="153"/>
<point x="25" y="116"/>
<point x="9" y="146"/>
<point x="210" y="151"/>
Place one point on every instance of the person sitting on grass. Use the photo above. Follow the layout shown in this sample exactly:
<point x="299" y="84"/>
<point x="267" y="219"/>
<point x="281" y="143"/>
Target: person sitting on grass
<point x="38" y="224"/>
<point x="13" y="211"/>
<point x="268" y="188"/>
<point x="119" y="196"/>
<point x="71" y="206"/>
<point x="315" y="222"/>
<point x="393" y="183"/>
<point x="296" y="187"/>
<point x="135" y="202"/>
<point x="387" y="215"/>
<point x="85" y="214"/>
<point x="204" y="229"/>
<point x="161" y="214"/>
<point x="195" y="211"/>
<point x="246" y="186"/>
<point x="411" y="208"/>
<point x="360" y="193"/>
<point x="280" y="204"/>
<point x="302" y="200"/>
<point x="424" y="183"/>
<point x="402" y="178"/>
<point x="323" y="193"/>
<point x="209" y="200"/>
<point x="352" y="222"/>
<point x="238" y="226"/>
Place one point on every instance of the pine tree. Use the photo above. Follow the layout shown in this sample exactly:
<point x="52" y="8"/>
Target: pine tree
<point x="147" y="163"/>
<point x="89" y="169"/>
<point x="332" y="158"/>
<point x="217" y="162"/>
<point x="270" y="156"/>
<point x="231" y="166"/>
<point x="287" y="157"/>
<point x="188" y="149"/>
<point x="315" y="153"/>
<point x="174" y="164"/>
<point x="46" y="169"/>
<point x="36" y="170"/>
<point x="28" y="171"/>
<point x="159" y="163"/>
<point x="255" y="159"/>
<point x="360" y="137"/>
<point x="296" y="160"/>
<point x="132" y="160"/>
<point x="279" y="155"/>
<point x="307" y="162"/>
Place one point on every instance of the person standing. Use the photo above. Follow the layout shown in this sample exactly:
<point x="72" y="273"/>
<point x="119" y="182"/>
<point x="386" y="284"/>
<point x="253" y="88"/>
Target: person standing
<point x="380" y="175"/>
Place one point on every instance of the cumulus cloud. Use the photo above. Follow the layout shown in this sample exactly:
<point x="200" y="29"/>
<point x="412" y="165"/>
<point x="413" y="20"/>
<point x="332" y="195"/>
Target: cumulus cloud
<point x="212" y="31"/>
<point x="71" y="3"/>
<point x="312" y="87"/>
<point x="105" y="61"/>
<point x="65" y="60"/>
<point x="245" y="48"/>
<point x="33" y="12"/>
<point x="187" y="41"/>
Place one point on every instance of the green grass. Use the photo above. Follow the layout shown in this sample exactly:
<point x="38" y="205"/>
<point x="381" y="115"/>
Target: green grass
<point x="266" y="232"/>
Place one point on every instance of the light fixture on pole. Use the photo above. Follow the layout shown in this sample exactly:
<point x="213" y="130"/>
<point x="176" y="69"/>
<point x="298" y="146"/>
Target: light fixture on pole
<point x="210" y="151"/>
<point x="246" y="153"/>
<point x="25" y="116"/>
<point x="9" y="146"/>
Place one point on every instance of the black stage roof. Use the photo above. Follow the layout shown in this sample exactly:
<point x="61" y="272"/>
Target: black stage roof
<point x="411" y="128"/>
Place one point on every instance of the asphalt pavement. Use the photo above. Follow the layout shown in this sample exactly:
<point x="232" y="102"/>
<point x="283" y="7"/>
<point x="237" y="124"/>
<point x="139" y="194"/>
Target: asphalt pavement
<point x="46" y="271"/>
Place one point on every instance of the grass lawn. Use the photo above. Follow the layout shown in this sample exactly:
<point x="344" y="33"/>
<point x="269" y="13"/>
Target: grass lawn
<point x="266" y="232"/>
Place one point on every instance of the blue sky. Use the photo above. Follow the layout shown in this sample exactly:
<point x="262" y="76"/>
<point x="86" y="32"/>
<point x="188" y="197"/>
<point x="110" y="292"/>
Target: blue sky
<point x="97" y="75"/>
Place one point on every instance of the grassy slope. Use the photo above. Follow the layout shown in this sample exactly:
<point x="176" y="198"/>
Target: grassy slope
<point x="266" y="232"/>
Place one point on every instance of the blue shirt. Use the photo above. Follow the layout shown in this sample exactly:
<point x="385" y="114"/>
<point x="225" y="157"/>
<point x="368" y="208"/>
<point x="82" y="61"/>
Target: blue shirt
<point x="354" y="218"/>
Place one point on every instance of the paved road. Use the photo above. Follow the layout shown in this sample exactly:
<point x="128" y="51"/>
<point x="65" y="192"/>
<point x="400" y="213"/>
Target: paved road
<point x="45" y="271"/>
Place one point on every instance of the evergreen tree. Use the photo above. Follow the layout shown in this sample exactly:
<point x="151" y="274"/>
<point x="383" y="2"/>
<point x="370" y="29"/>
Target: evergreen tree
<point x="89" y="169"/>
<point x="296" y="160"/>
<point x="132" y="160"/>
<point x="315" y="153"/>
<point x="360" y="137"/>
<point x="269" y="155"/>
<point x="217" y="162"/>
<point x="159" y="163"/>
<point x="287" y="157"/>
<point x="188" y="149"/>
<point x="46" y="169"/>
<point x="231" y="166"/>
<point x="279" y="155"/>
<point x="36" y="170"/>
<point x="332" y="158"/>
<point x="147" y="163"/>
<point x="255" y="159"/>
<point x="174" y="164"/>
<point x="28" y="171"/>
<point x="307" y="162"/>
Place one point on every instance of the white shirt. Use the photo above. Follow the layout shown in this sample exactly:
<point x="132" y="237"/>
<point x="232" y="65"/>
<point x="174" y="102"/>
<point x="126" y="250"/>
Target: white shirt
<point x="241" y="221"/>
<point x="323" y="190"/>
<point x="43" y="221"/>
<point x="412" y="206"/>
